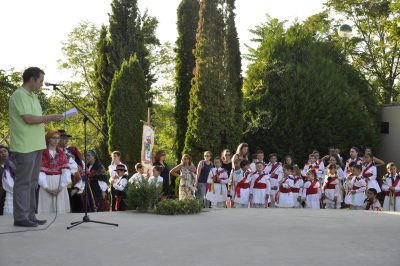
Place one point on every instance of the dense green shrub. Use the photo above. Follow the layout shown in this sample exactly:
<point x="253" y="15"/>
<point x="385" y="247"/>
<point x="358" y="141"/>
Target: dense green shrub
<point x="142" y="195"/>
<point x="177" y="182"/>
<point x="173" y="207"/>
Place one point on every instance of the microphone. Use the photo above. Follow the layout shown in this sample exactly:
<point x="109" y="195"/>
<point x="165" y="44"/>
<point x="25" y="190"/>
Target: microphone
<point x="52" y="84"/>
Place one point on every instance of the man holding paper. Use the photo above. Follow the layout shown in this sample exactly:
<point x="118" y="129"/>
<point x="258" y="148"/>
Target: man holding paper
<point x="27" y="142"/>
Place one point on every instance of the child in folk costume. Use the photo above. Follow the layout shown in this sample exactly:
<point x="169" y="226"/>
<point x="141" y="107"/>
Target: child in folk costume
<point x="331" y="188"/>
<point x="217" y="182"/>
<point x="259" y="157"/>
<point x="297" y="186"/>
<point x="119" y="185"/>
<point x="312" y="191"/>
<point x="236" y="174"/>
<point x="354" y="159"/>
<point x="356" y="196"/>
<point x="372" y="203"/>
<point x="321" y="167"/>
<point x="260" y="187"/>
<point x="7" y="177"/>
<point x="391" y="188"/>
<point x="284" y="196"/>
<point x="242" y="186"/>
<point x="369" y="172"/>
<point x="275" y="172"/>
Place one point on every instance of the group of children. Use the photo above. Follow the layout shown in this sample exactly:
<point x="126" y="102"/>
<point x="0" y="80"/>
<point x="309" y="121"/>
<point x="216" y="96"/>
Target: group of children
<point x="262" y="185"/>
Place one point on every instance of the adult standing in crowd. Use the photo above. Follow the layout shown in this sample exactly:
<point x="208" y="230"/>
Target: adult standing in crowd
<point x="27" y="142"/>
<point x="187" y="172"/>
<point x="242" y="152"/>
<point x="7" y="177"/>
<point x="159" y="160"/>
<point x="226" y="157"/>
<point x="203" y="169"/>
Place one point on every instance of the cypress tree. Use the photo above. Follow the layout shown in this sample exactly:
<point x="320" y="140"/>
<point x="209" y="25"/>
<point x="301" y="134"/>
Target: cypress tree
<point x="206" y="95"/>
<point x="125" y="110"/>
<point x="188" y="17"/>
<point x="104" y="74"/>
<point x="233" y="114"/>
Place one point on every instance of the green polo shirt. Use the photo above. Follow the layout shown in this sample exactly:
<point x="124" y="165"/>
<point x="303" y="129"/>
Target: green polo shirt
<point x="25" y="138"/>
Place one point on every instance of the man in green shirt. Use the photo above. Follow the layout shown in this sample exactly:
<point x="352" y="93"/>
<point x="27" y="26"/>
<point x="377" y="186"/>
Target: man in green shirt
<point x="27" y="142"/>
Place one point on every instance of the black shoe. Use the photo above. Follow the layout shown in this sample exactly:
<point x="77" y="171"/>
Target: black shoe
<point x="25" y="223"/>
<point x="39" y="222"/>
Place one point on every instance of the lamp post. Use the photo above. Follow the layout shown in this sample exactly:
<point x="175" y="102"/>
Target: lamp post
<point x="345" y="32"/>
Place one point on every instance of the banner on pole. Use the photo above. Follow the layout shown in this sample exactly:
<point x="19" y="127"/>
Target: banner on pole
<point x="147" y="146"/>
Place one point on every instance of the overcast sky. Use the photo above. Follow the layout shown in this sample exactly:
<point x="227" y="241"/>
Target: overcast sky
<point x="32" y="30"/>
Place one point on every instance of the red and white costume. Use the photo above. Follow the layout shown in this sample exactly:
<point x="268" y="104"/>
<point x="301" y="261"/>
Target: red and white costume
<point x="285" y="196"/>
<point x="391" y="181"/>
<point x="260" y="188"/>
<point x="253" y="167"/>
<point x="275" y="173"/>
<point x="331" y="189"/>
<point x="369" y="174"/>
<point x="347" y="168"/>
<point x="242" y="190"/>
<point x="319" y="169"/>
<point x="312" y="194"/>
<point x="359" y="185"/>
<point x="217" y="191"/>
<point x="297" y="190"/>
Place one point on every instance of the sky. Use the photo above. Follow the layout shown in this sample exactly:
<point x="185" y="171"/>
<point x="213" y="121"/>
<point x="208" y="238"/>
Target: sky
<point x="32" y="31"/>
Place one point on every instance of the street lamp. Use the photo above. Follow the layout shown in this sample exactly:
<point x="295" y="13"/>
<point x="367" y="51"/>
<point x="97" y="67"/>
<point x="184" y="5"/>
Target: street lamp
<point x="345" y="32"/>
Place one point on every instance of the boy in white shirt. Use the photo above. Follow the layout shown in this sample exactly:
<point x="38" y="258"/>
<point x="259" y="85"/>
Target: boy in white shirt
<point x="156" y="176"/>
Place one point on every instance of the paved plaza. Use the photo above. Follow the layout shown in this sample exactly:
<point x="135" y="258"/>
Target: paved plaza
<point x="216" y="237"/>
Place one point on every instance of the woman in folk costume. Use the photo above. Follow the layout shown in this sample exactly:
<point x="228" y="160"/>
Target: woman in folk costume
<point x="369" y="172"/>
<point x="97" y="183"/>
<point x="7" y="176"/>
<point x="54" y="177"/>
<point x="297" y="186"/>
<point x="275" y="173"/>
<point x="312" y="191"/>
<point x="187" y="172"/>
<point x="331" y="188"/>
<point x="260" y="187"/>
<point x="242" y="186"/>
<point x="391" y="188"/>
<point x="217" y="185"/>
<point x="356" y="196"/>
<point x="284" y="197"/>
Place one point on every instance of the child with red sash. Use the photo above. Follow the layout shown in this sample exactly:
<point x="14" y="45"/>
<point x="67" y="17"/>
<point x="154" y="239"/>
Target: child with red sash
<point x="260" y="187"/>
<point x="331" y="188"/>
<point x="356" y="196"/>
<point x="217" y="185"/>
<point x="391" y="188"/>
<point x="235" y="173"/>
<point x="320" y="169"/>
<point x="275" y="172"/>
<point x="242" y="187"/>
<point x="312" y="191"/>
<point x="284" y="197"/>
<point x="297" y="186"/>
<point x="372" y="203"/>
<point x="369" y="172"/>
<point x="119" y="185"/>
<point x="310" y="165"/>
<point x="354" y="159"/>
<point x="259" y="157"/>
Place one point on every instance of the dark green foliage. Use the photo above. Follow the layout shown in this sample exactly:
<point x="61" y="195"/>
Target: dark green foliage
<point x="232" y="116"/>
<point x="177" y="182"/>
<point x="188" y="17"/>
<point x="206" y="95"/>
<point x="301" y="94"/>
<point x="142" y="195"/>
<point x="125" y="109"/>
<point x="173" y="207"/>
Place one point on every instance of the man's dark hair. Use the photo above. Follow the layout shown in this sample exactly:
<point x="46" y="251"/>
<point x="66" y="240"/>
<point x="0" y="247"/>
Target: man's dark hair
<point x="358" y="167"/>
<point x="31" y="72"/>
<point x="244" y="163"/>
<point x="373" y="190"/>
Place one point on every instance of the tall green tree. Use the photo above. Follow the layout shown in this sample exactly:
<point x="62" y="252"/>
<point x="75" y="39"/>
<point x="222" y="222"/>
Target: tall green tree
<point x="188" y="19"/>
<point x="206" y="95"/>
<point x="375" y="48"/>
<point x="125" y="109"/>
<point x="233" y="96"/>
<point x="300" y="93"/>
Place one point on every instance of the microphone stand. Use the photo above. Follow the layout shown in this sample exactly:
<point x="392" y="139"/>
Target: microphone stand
<point x="86" y="218"/>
